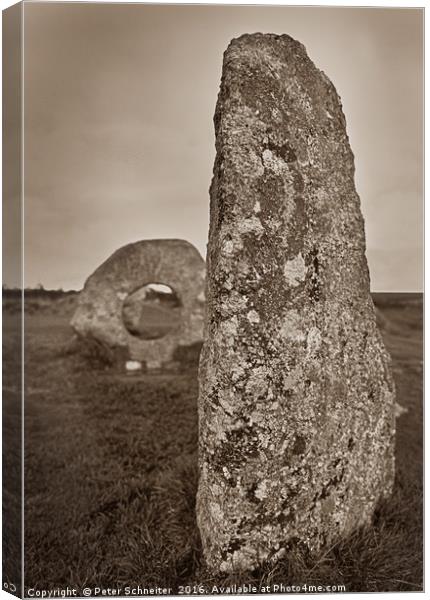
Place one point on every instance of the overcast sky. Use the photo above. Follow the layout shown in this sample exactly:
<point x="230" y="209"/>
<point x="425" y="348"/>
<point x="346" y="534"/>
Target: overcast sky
<point x="119" y="140"/>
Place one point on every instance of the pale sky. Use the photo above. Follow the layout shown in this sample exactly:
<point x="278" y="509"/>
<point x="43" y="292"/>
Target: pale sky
<point x="119" y="139"/>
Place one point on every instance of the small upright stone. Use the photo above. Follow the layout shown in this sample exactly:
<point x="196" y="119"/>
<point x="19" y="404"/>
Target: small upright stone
<point x="296" y="402"/>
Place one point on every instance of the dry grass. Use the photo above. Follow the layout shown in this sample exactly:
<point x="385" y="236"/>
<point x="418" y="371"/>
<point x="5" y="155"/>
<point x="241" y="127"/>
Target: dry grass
<point x="111" y="477"/>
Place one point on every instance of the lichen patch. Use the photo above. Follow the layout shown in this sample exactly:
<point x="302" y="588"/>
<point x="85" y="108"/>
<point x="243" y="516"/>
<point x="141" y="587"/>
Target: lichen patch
<point x="314" y="340"/>
<point x="250" y="225"/>
<point x="253" y="317"/>
<point x="295" y="270"/>
<point x="292" y="327"/>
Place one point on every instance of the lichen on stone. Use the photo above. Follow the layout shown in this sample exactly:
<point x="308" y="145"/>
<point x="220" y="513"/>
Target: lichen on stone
<point x="295" y="270"/>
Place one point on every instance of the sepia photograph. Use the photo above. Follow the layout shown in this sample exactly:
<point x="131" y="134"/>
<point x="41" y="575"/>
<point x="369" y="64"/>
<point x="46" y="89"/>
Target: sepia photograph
<point x="212" y="299"/>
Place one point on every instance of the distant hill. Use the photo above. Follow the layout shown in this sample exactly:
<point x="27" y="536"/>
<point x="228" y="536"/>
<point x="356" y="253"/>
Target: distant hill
<point x="39" y="300"/>
<point x="64" y="302"/>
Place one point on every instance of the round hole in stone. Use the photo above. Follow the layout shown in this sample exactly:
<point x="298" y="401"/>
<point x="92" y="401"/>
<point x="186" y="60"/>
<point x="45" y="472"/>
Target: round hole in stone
<point x="152" y="311"/>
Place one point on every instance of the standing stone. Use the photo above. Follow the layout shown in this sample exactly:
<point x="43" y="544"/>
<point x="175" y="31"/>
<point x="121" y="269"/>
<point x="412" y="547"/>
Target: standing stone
<point x="100" y="311"/>
<point x="296" y="395"/>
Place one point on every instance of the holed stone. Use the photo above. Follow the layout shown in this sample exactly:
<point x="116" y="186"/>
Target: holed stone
<point x="100" y="311"/>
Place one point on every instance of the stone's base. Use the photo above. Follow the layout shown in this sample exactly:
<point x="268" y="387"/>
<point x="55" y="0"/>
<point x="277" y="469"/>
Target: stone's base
<point x="133" y="365"/>
<point x="170" y="366"/>
<point x="152" y="365"/>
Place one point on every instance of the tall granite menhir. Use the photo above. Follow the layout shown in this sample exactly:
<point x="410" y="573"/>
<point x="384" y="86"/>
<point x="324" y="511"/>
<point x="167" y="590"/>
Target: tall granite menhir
<point x="296" y="402"/>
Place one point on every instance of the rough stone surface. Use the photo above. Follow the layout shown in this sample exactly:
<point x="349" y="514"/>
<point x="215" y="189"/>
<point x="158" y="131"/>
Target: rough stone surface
<point x="296" y="405"/>
<point x="175" y="263"/>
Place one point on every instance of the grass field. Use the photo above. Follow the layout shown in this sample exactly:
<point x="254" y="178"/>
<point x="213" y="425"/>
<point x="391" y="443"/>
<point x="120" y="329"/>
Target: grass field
<point x="111" y="475"/>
